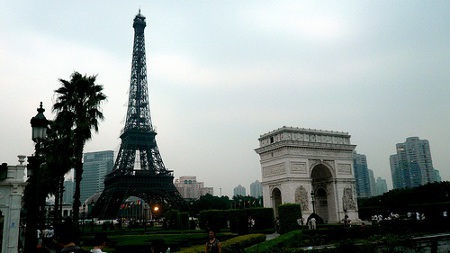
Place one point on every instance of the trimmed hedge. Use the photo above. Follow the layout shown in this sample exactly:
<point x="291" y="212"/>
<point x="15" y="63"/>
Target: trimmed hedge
<point x="277" y="244"/>
<point x="239" y="219"/>
<point x="183" y="220"/>
<point x="213" y="219"/>
<point x="233" y="245"/>
<point x="288" y="216"/>
<point x="172" y="218"/>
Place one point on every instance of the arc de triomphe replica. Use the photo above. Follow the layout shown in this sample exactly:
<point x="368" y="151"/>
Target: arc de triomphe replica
<point x="313" y="168"/>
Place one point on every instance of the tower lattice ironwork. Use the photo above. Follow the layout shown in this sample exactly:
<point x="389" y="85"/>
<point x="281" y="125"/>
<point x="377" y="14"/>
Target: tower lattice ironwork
<point x="152" y="181"/>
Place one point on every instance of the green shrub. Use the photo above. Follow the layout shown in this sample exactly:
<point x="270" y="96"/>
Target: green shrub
<point x="277" y="244"/>
<point x="183" y="220"/>
<point x="233" y="245"/>
<point x="288" y="216"/>
<point x="172" y="218"/>
<point x="213" y="219"/>
<point x="238" y="221"/>
<point x="264" y="217"/>
<point x="238" y="244"/>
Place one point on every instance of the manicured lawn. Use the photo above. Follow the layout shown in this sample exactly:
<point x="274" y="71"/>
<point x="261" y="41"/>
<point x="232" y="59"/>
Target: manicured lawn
<point x="145" y="238"/>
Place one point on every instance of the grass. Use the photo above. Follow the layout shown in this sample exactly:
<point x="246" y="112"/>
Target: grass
<point x="145" y="238"/>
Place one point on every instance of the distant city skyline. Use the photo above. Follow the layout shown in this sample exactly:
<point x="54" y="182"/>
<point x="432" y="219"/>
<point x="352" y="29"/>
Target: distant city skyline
<point x="96" y="165"/>
<point x="412" y="165"/>
<point x="362" y="176"/>
<point x="222" y="73"/>
<point x="239" y="191"/>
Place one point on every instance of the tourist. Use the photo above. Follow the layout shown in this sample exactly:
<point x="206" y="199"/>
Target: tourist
<point x="100" y="241"/>
<point x="312" y="223"/>
<point x="67" y="236"/>
<point x="213" y="245"/>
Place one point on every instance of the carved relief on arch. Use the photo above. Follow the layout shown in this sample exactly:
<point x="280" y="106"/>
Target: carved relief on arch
<point x="348" y="202"/>
<point x="301" y="197"/>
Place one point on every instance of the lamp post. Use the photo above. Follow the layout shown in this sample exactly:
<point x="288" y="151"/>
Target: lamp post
<point x="92" y="216"/>
<point x="145" y="217"/>
<point x="155" y="212"/>
<point x="313" y="201"/>
<point x="39" y="126"/>
<point x="84" y="217"/>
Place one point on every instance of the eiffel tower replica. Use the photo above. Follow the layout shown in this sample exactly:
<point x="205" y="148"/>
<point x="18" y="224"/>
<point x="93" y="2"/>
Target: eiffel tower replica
<point x="152" y="182"/>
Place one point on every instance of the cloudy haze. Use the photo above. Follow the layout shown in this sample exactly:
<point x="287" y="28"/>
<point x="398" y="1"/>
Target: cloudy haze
<point x="221" y="73"/>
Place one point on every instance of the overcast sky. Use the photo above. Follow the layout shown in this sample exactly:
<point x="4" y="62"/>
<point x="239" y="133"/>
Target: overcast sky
<point x="222" y="73"/>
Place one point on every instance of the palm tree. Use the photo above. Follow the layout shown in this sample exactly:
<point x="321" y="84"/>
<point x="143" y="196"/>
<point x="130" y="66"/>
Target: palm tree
<point x="59" y="157"/>
<point x="78" y="101"/>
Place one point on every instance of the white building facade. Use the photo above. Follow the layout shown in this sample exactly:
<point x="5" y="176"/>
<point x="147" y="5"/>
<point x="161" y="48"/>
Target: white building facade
<point x="11" y="191"/>
<point x="313" y="168"/>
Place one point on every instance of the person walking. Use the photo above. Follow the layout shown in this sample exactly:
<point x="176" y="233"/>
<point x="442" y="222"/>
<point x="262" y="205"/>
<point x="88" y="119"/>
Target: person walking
<point x="312" y="223"/>
<point x="100" y="241"/>
<point x="67" y="236"/>
<point x="213" y="245"/>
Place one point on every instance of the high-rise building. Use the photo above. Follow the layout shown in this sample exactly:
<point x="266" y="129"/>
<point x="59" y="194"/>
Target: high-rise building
<point x="68" y="192"/>
<point x="256" y="189"/>
<point x="362" y="179"/>
<point x="372" y="183"/>
<point x="239" y="190"/>
<point x="95" y="167"/>
<point x="381" y="186"/>
<point x="189" y="188"/>
<point x="206" y="190"/>
<point x="412" y="165"/>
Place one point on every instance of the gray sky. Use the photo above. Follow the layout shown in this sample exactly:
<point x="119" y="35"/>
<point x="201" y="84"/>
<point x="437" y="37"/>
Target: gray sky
<point x="221" y="73"/>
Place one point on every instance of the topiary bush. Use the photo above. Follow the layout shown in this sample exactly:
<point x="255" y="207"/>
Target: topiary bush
<point x="172" y="219"/>
<point x="213" y="219"/>
<point x="288" y="216"/>
<point x="183" y="220"/>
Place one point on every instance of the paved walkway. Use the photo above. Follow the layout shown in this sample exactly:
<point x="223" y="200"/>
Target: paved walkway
<point x="271" y="236"/>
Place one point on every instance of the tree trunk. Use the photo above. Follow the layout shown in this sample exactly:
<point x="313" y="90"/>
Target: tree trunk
<point x="78" y="148"/>
<point x="76" y="195"/>
<point x="58" y="201"/>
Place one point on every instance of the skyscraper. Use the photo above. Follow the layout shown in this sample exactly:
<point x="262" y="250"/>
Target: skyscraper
<point x="412" y="165"/>
<point x="381" y="186"/>
<point x="256" y="189"/>
<point x="372" y="183"/>
<point x="95" y="167"/>
<point x="362" y="179"/>
<point x="68" y="192"/>
<point x="239" y="190"/>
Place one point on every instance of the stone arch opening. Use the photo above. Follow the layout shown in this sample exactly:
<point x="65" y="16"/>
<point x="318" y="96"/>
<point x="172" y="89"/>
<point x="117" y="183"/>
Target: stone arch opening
<point x="276" y="200"/>
<point x="322" y="190"/>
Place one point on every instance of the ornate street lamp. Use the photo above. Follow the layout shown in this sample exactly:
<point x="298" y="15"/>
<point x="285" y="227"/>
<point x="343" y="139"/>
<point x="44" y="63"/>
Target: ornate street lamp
<point x="39" y="126"/>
